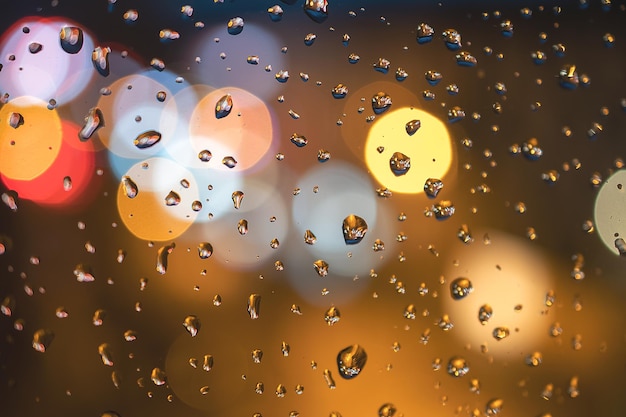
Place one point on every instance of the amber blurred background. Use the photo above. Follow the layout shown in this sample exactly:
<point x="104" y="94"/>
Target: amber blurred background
<point x="541" y="250"/>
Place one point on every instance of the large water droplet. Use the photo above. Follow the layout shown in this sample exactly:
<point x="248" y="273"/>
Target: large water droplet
<point x="275" y="12"/>
<point x="452" y="39"/>
<point x="351" y="361"/>
<point x="16" y="120"/>
<point x="317" y="10"/>
<point x="443" y="210"/>
<point x="100" y="60"/>
<point x="381" y="102"/>
<point x="354" y="229"/>
<point x="205" y="250"/>
<point x="130" y="188"/>
<point x="568" y="77"/>
<point x="309" y="237"/>
<point x="71" y="39"/>
<point x="237" y="198"/>
<point x="460" y="288"/>
<point x="147" y="139"/>
<point x="192" y="325"/>
<point x="242" y="227"/>
<point x="235" y="26"/>
<point x="229" y="162"/>
<point x="254" y="306"/>
<point x="223" y="106"/>
<point x="93" y="121"/>
<point x="399" y="164"/>
<point x="321" y="267"/>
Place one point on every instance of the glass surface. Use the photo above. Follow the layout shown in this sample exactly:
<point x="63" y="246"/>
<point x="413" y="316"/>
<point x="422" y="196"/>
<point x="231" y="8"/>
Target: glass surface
<point x="391" y="208"/>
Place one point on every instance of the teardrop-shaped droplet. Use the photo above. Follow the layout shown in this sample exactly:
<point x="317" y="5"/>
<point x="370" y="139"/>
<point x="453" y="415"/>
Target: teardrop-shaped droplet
<point x="399" y="164"/>
<point x="254" y="306"/>
<point x="242" y="227"/>
<point x="158" y="376"/>
<point x="130" y="188"/>
<point x="42" y="339"/>
<point x="309" y="237"/>
<point x="460" y="288"/>
<point x="104" y="350"/>
<point x="412" y="126"/>
<point x="351" y="361"/>
<point x="354" y="229"/>
<point x="317" y="10"/>
<point x="205" y="250"/>
<point x="100" y="60"/>
<point x="321" y="267"/>
<point x="237" y="198"/>
<point x="192" y="325"/>
<point x="71" y="39"/>
<point x="147" y="139"/>
<point x="93" y="121"/>
<point x="223" y="106"/>
<point x="285" y="348"/>
<point x="458" y="366"/>
<point x="235" y="26"/>
<point x="172" y="199"/>
<point x="332" y="315"/>
<point x="162" y="257"/>
<point x="381" y="102"/>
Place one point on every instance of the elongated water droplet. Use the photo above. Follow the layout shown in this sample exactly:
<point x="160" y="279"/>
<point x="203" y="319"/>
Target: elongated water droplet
<point x="242" y="227"/>
<point x="235" y="26"/>
<point x="130" y="188"/>
<point x="254" y="306"/>
<point x="147" y="139"/>
<point x="223" y="106"/>
<point x="98" y="317"/>
<point x="457" y="366"/>
<point x="354" y="229"/>
<point x="328" y="377"/>
<point x="205" y="250"/>
<point x="317" y="10"/>
<point x="93" y="121"/>
<point x="207" y="365"/>
<point x="100" y="60"/>
<point x="104" y="350"/>
<point x="351" y="361"/>
<point x="71" y="39"/>
<point x="460" y="288"/>
<point x="381" y="102"/>
<point x="67" y="183"/>
<point x="285" y="348"/>
<point x="332" y="316"/>
<point x="192" y="325"/>
<point x="484" y="313"/>
<point x="321" y="267"/>
<point x="162" y="256"/>
<point x="42" y="339"/>
<point x="130" y="335"/>
<point x="237" y="198"/>
<point x="399" y="164"/>
<point x="116" y="378"/>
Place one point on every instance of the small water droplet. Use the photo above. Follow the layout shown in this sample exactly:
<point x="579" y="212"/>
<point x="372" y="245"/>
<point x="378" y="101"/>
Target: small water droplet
<point x="351" y="361"/>
<point x="493" y="407"/>
<point x="534" y="359"/>
<point x="452" y="39"/>
<point x="257" y="355"/>
<point x="412" y="126"/>
<point x="158" y="376"/>
<point x="192" y="325"/>
<point x="425" y="33"/>
<point x="84" y="273"/>
<point x="235" y="25"/>
<point x="242" y="227"/>
<point x="275" y="13"/>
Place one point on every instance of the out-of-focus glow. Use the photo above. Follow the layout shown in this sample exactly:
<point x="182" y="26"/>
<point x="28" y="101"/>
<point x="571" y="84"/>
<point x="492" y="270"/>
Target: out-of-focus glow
<point x="28" y="150"/>
<point x="146" y="215"/>
<point x="245" y="134"/>
<point x="610" y="210"/>
<point x="234" y="69"/>
<point x="507" y="273"/>
<point x="50" y="73"/>
<point x="429" y="149"/>
<point x="76" y="161"/>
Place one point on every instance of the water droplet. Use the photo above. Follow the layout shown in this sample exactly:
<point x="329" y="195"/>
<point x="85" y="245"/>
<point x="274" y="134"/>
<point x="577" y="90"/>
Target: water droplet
<point x="130" y="16"/>
<point x="275" y="12"/>
<point x="158" y="376"/>
<point x="401" y="74"/>
<point x="378" y="245"/>
<point x="207" y="364"/>
<point x="506" y="28"/>
<point x="425" y="33"/>
<point x="484" y="313"/>
<point x="192" y="325"/>
<point x="323" y="155"/>
<point x="71" y="39"/>
<point x="257" y="355"/>
<point x="534" y="359"/>
<point x="456" y="114"/>
<point x="205" y="250"/>
<point x="84" y="273"/>
<point x="321" y="267"/>
<point x="282" y="76"/>
<point x="67" y="183"/>
<point x="452" y="39"/>
<point x="460" y="288"/>
<point x="104" y="350"/>
<point x="93" y="121"/>
<point x="433" y="77"/>
<point x="317" y="10"/>
<point x="299" y="140"/>
<point x="339" y="91"/>
<point x="465" y="59"/>
<point x="254" y="306"/>
<point x="328" y="377"/>
<point x="16" y="120"/>
<point x="229" y="162"/>
<point x="464" y="234"/>
<point x="100" y="60"/>
<point x="259" y="388"/>
<point x="351" y="361"/>
<point x="559" y="50"/>
<point x="443" y="210"/>
<point x="354" y="229"/>
<point x="493" y="407"/>
<point x="410" y="312"/>
<point x="412" y="126"/>
<point x="458" y="366"/>
<point x="235" y="26"/>
<point x="285" y="348"/>
<point x="353" y="58"/>
<point x="399" y="164"/>
<point x="332" y="315"/>
<point x="309" y="39"/>
<point x="500" y="333"/>
<point x="98" y="317"/>
<point x="223" y="106"/>
<point x="280" y="391"/>
<point x="387" y="410"/>
<point x="147" y="139"/>
<point x="242" y="227"/>
<point x="42" y="339"/>
<point x="381" y="102"/>
<point x="158" y="64"/>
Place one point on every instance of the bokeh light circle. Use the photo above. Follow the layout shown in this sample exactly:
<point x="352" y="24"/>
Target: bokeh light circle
<point x="429" y="149"/>
<point x="28" y="150"/>
<point x="610" y="210"/>
<point x="146" y="215"/>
